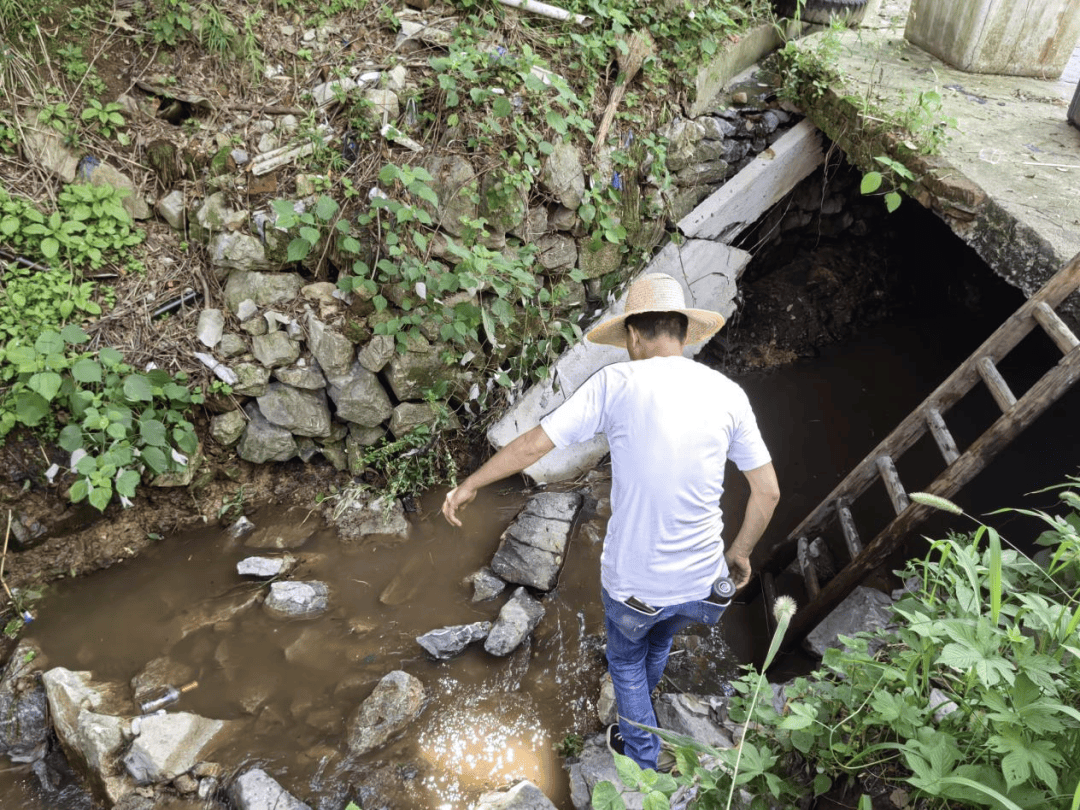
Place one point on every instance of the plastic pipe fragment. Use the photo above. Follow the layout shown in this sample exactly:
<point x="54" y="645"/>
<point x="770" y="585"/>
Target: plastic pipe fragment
<point x="554" y="12"/>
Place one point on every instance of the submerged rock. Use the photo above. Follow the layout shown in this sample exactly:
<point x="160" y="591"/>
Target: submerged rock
<point x="522" y="796"/>
<point x="265" y="567"/>
<point x="297" y="600"/>
<point x="395" y="702"/>
<point x="533" y="547"/>
<point x="364" y="514"/>
<point x="517" y="619"/>
<point x="24" y="711"/>
<point x="447" y="642"/>
<point x="485" y="584"/>
<point x="257" y="790"/>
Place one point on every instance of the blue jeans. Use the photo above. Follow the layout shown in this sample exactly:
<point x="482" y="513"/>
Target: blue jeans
<point x="637" y="652"/>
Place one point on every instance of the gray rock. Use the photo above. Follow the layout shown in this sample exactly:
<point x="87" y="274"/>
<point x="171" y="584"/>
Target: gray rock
<point x="246" y="309"/>
<point x="98" y="173"/>
<point x="447" y="642"/>
<point x="267" y="143"/>
<point x="302" y="413"/>
<point x="212" y="611"/>
<point x="503" y="204"/>
<point x="595" y="765"/>
<point x="716" y="129"/>
<point x="327" y="93"/>
<point x="533" y="547"/>
<point x="556" y="252"/>
<point x="275" y="349"/>
<point x="518" y="617"/>
<point x="410" y="415"/>
<point x="534" y="224"/>
<point x="414" y="372"/>
<point x="683" y="138"/>
<point x="359" y="439"/>
<point x="251" y="379"/>
<point x="262" y="441"/>
<point x="522" y="796"/>
<point x="864" y="609"/>
<point x="45" y="146"/>
<point x="604" y="259"/>
<point x="307" y="377"/>
<point x="384" y="105"/>
<point x="563" y="219"/>
<point x="703" y="173"/>
<point x="24" y="713"/>
<point x="394" y="79"/>
<point x="334" y="351"/>
<point x="523" y="564"/>
<point x="211" y="327"/>
<point x="454" y="182"/>
<point x="169" y="745"/>
<point x="297" y="600"/>
<point x="265" y="567"/>
<point x="240" y="157"/>
<point x="264" y="289"/>
<point x="257" y="790"/>
<point x="562" y="506"/>
<point x="395" y="702"/>
<point x="171" y="208"/>
<point x="377" y="353"/>
<point x="292" y="530"/>
<point x="227" y="428"/>
<point x="365" y="515"/>
<point x="213" y="213"/>
<point x="360" y="398"/>
<point x="237" y="251"/>
<point x="486" y="585"/>
<point x="607" y="707"/>
<point x="241" y="527"/>
<point x="563" y="176"/>
<point x="699" y="716"/>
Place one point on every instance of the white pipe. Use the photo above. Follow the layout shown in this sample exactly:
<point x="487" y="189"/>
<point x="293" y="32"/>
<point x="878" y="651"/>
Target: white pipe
<point x="556" y="13"/>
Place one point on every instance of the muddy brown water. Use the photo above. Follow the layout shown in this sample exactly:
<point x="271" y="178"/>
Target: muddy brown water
<point x="488" y="721"/>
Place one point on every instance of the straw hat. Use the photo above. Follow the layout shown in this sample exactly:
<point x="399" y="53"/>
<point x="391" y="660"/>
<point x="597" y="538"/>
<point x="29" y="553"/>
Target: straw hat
<point x="657" y="292"/>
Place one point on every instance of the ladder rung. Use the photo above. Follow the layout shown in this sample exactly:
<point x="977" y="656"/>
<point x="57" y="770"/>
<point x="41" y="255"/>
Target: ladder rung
<point x="999" y="389"/>
<point x="808" y="572"/>
<point x="847" y="526"/>
<point x="945" y="442"/>
<point x="1055" y="327"/>
<point x="891" y="479"/>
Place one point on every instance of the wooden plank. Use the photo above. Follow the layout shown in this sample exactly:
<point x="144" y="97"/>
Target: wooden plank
<point x="741" y="201"/>
<point x="999" y="389"/>
<point x="891" y="478"/>
<point x="944" y="439"/>
<point x="1008" y="426"/>
<point x="847" y="526"/>
<point x="999" y="344"/>
<point x="1061" y="334"/>
<point x="806" y="565"/>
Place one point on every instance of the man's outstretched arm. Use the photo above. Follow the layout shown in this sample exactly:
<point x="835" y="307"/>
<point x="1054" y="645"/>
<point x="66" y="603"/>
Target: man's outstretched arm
<point x="764" y="494"/>
<point x="522" y="452"/>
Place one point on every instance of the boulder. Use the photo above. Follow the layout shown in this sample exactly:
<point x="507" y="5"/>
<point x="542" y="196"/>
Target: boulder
<point x="411" y="374"/>
<point x="251" y="379"/>
<point x="262" y="289"/>
<point x="563" y="175"/>
<point x="301" y="412"/>
<point x="360" y="398"/>
<point x="309" y="378"/>
<point x="594" y="765"/>
<point x="293" y="530"/>
<point x="257" y="790"/>
<point x="699" y="716"/>
<point x="265" y="567"/>
<point x="227" y="428"/>
<point x="383" y="105"/>
<point x="595" y="261"/>
<point x="377" y="353"/>
<point x="864" y="609"/>
<point x="522" y="796"/>
<point x="212" y="611"/>
<point x="486" y="585"/>
<point x="213" y="214"/>
<point x="447" y="642"/>
<point x="367" y="514"/>
<point x="297" y="600"/>
<point x="24" y="712"/>
<point x="172" y="209"/>
<point x="96" y="173"/>
<point x="410" y="415"/>
<point x="262" y="441"/>
<point x="533" y="547"/>
<point x="169" y="745"/>
<point x="556" y="251"/>
<point x="45" y="146"/>
<point x="162" y="671"/>
<point x="334" y="351"/>
<point x="454" y="183"/>
<point x="237" y="251"/>
<point x="517" y="619"/>
<point x="275" y="349"/>
<point x="395" y="702"/>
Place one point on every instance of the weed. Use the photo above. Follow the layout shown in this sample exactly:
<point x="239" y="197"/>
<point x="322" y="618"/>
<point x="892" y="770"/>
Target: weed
<point x="570" y="746"/>
<point x="172" y="22"/>
<point x="106" y="118"/>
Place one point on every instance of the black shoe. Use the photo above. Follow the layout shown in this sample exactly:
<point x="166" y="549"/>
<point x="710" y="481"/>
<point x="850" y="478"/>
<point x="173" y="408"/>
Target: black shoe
<point x="615" y="742"/>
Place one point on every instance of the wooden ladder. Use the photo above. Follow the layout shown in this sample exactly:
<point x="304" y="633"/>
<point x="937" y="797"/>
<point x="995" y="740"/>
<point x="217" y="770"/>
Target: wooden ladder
<point x="1016" y="414"/>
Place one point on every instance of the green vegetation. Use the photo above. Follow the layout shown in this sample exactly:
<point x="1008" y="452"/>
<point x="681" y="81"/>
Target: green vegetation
<point x="970" y="702"/>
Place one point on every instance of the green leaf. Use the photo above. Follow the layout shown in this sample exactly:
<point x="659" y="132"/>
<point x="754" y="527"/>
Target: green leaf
<point x="606" y="797"/>
<point x="71" y="438"/>
<point x="822" y="783"/>
<point x="871" y="182"/>
<point x="100" y="496"/>
<point x="86" y="371"/>
<point x="49" y="247"/>
<point x="501" y="107"/>
<point x="656" y="801"/>
<point x="298" y="250"/>
<point x="49" y="342"/>
<point x="127" y="483"/>
<point x="86" y="465"/>
<point x="46" y="383"/>
<point x="79" y="490"/>
<point x="628" y="770"/>
<point x="155" y="459"/>
<point x="73" y="334"/>
<point x="892" y="201"/>
<point x="137" y="388"/>
<point x="309" y="234"/>
<point x="152" y="432"/>
<point x="30" y="408"/>
<point x="116" y="431"/>
<point x="110" y="357"/>
<point x="325" y="208"/>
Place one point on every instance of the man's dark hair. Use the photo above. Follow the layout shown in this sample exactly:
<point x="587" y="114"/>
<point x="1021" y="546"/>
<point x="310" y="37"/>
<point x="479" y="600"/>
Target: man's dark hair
<point x="651" y="325"/>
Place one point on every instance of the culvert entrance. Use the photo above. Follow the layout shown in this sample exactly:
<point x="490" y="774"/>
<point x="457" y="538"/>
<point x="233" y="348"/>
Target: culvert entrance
<point x="849" y="318"/>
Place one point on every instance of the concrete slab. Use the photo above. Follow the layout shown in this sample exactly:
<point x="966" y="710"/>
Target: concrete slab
<point x="708" y="272"/>
<point x="1006" y="181"/>
<point x="741" y="201"/>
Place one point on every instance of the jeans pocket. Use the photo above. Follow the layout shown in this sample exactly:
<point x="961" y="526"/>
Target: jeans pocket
<point x="631" y="623"/>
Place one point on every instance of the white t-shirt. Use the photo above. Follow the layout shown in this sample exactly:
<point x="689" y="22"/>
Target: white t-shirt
<point x="671" y="424"/>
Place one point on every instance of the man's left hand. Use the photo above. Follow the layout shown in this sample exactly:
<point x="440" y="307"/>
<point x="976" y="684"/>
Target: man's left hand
<point x="739" y="568"/>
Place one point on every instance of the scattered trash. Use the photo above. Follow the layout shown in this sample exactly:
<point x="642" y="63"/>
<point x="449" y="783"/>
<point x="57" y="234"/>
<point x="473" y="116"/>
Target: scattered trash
<point x="222" y="372"/>
<point x="554" y="12"/>
<point x="283" y="155"/>
<point x="391" y="133"/>
<point x="169" y="696"/>
<point x="187" y="297"/>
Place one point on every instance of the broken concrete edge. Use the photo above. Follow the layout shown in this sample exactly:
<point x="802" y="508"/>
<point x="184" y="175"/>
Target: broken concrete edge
<point x="1012" y="249"/>
<point x="707" y="272"/>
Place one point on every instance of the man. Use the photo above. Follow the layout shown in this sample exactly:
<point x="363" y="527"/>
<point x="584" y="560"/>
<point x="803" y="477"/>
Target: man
<point x="671" y="424"/>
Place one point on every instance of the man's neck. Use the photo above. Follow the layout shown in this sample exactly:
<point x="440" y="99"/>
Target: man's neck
<point x="661" y="347"/>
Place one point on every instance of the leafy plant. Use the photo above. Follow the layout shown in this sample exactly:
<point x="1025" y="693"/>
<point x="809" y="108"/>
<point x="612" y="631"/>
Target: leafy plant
<point x="120" y="423"/>
<point x="105" y="117"/>
<point x="899" y="173"/>
<point x="172" y="22"/>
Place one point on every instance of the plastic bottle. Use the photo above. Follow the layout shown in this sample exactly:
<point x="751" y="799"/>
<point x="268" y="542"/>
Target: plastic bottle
<point x="171" y="695"/>
<point x="723" y="590"/>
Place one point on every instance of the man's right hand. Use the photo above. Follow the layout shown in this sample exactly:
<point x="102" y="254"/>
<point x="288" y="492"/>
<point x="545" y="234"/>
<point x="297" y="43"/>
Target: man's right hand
<point x="456" y="499"/>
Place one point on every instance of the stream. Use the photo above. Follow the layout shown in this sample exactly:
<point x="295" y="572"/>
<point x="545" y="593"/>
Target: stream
<point x="489" y="721"/>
